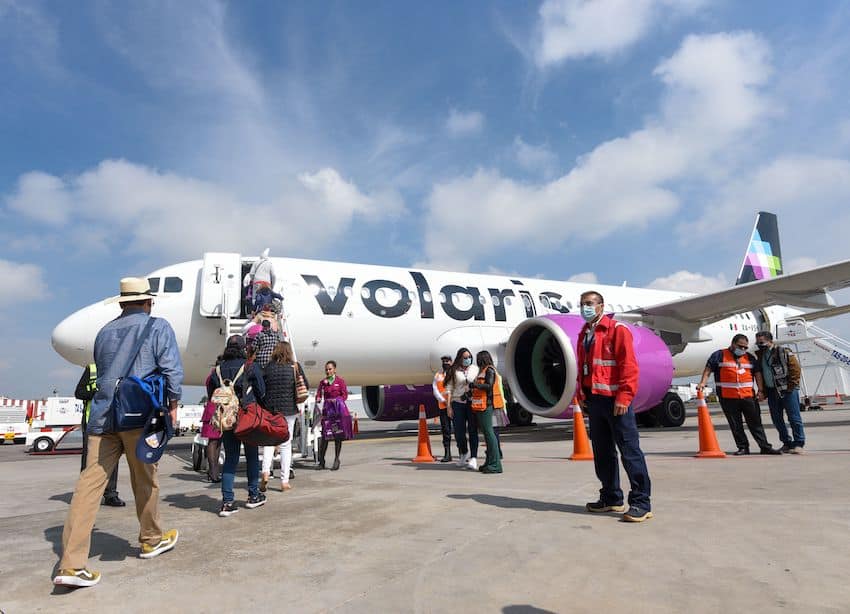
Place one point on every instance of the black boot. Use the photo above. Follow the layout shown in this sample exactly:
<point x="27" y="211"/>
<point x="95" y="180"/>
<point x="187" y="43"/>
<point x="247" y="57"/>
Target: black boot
<point x="323" y="447"/>
<point x="447" y="457"/>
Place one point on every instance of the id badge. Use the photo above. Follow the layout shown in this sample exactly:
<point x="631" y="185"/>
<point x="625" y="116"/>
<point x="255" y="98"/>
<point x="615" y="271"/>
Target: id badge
<point x="585" y="370"/>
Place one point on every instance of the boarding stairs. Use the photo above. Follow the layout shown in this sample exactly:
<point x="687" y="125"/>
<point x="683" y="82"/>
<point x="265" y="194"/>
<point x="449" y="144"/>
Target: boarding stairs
<point x="813" y="344"/>
<point x="238" y="326"/>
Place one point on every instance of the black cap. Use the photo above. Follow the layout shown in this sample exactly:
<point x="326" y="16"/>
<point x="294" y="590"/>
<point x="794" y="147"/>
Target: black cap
<point x="445" y="357"/>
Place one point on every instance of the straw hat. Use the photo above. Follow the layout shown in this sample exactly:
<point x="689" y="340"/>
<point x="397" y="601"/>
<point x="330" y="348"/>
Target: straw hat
<point x="132" y="289"/>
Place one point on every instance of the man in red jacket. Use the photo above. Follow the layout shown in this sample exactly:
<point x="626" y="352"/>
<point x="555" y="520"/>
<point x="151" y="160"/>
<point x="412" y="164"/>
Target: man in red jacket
<point x="608" y="379"/>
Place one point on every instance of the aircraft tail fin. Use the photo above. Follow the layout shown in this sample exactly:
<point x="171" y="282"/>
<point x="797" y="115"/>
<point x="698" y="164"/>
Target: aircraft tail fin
<point x="763" y="259"/>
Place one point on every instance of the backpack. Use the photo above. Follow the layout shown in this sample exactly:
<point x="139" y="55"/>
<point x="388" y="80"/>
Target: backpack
<point x="226" y="402"/>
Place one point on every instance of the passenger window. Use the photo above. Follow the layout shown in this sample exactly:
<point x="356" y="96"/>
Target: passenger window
<point x="173" y="284"/>
<point x="426" y="297"/>
<point x="364" y="292"/>
<point x="154" y="282"/>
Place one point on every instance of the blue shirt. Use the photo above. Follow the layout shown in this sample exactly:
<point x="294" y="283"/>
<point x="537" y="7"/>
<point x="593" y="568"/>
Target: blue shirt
<point x="112" y="349"/>
<point x="766" y="369"/>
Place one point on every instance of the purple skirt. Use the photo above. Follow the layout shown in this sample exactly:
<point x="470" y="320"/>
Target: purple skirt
<point x="336" y="420"/>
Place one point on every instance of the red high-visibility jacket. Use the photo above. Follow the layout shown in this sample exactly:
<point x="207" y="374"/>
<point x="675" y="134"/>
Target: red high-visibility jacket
<point x="611" y="366"/>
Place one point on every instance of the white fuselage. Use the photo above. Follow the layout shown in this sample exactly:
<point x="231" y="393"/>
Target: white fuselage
<point x="384" y="325"/>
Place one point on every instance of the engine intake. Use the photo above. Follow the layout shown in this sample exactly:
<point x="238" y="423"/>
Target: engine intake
<point x="388" y="403"/>
<point x="542" y="372"/>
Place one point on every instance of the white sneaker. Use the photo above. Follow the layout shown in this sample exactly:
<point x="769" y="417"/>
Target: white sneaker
<point x="472" y="464"/>
<point x="463" y="459"/>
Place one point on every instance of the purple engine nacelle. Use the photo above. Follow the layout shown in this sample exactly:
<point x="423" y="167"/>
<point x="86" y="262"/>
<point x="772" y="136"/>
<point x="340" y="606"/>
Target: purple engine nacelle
<point x="388" y="403"/>
<point x="542" y="372"/>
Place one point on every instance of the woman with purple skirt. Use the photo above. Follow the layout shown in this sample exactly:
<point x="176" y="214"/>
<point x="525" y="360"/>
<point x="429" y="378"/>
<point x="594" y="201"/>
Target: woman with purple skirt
<point x="336" y="419"/>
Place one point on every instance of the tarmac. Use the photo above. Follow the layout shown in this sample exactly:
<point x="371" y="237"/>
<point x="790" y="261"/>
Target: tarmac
<point x="755" y="533"/>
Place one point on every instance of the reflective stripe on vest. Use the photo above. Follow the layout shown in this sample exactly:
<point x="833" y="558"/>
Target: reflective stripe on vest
<point x="441" y="386"/>
<point x="91" y="386"/>
<point x="735" y="377"/>
<point x="608" y="387"/>
<point x="605" y="363"/>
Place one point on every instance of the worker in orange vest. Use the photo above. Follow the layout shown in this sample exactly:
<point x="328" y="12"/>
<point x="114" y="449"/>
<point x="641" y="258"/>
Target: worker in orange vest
<point x="736" y="373"/>
<point x="439" y="387"/>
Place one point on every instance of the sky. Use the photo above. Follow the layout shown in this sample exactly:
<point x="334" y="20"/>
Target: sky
<point x="603" y="141"/>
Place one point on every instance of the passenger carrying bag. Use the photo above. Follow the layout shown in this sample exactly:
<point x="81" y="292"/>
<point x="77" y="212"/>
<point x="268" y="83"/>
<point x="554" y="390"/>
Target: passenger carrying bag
<point x="136" y="398"/>
<point x="226" y="401"/>
<point x="301" y="392"/>
<point x="257" y="426"/>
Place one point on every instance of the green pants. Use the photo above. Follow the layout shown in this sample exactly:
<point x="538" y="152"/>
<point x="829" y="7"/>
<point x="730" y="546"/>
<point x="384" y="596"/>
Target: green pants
<point x="493" y="460"/>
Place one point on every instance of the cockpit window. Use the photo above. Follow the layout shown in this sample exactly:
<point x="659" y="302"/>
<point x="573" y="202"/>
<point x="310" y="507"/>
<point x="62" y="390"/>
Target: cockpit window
<point x="154" y="282"/>
<point x="173" y="284"/>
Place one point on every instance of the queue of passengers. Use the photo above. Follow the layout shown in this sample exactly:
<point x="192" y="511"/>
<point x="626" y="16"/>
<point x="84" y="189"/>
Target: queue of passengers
<point x="265" y="372"/>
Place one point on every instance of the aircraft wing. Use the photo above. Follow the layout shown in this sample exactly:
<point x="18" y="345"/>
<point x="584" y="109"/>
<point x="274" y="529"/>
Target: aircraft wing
<point x="807" y="289"/>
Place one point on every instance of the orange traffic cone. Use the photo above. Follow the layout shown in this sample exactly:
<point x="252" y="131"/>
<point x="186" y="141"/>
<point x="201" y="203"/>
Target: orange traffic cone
<point x="708" y="446"/>
<point x="356" y="426"/>
<point x="423" y="454"/>
<point x="581" y="443"/>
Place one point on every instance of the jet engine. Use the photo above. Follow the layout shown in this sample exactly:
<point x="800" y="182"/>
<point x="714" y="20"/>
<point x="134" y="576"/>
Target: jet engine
<point x="542" y="372"/>
<point x="388" y="403"/>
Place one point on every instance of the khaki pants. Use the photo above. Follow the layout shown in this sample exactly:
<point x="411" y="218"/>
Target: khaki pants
<point x="103" y="454"/>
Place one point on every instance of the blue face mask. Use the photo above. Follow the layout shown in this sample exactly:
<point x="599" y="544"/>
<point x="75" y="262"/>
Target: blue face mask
<point x="467" y="362"/>
<point x="588" y="312"/>
<point x="739" y="351"/>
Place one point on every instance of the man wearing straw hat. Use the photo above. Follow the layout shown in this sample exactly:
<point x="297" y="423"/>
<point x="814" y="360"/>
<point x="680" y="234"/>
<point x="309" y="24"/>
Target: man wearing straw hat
<point x="112" y="353"/>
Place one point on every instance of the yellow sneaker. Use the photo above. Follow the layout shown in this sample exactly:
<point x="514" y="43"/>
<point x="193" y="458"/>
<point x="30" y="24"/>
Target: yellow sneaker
<point x="76" y="577"/>
<point x="168" y="541"/>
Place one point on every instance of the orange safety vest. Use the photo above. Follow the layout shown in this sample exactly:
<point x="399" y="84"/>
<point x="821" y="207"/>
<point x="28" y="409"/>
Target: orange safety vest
<point x="440" y="378"/>
<point x="479" y="397"/>
<point x="735" y="376"/>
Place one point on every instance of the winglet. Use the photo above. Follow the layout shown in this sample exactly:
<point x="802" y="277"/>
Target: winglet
<point x="763" y="259"/>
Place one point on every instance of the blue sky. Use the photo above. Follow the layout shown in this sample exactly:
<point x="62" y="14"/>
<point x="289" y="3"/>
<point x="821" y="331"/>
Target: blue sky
<point x="611" y="140"/>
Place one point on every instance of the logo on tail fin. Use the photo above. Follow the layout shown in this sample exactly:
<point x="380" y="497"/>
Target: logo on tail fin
<point x="763" y="259"/>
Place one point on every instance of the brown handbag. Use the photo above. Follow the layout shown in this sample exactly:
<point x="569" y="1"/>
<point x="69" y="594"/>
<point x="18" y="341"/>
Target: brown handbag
<point x="301" y="392"/>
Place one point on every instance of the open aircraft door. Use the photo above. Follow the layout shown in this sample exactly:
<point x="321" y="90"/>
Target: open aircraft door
<point x="221" y="285"/>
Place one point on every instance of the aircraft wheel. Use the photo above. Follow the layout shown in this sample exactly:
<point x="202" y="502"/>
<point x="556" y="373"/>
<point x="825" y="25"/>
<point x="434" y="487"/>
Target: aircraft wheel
<point x="43" y="444"/>
<point x="519" y="416"/>
<point x="671" y="411"/>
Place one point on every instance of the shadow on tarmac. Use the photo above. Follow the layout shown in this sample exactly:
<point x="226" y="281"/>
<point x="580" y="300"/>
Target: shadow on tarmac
<point x="204" y="503"/>
<point x="529" y="504"/>
<point x="65" y="497"/>
<point x="105" y="546"/>
<point x="524" y="609"/>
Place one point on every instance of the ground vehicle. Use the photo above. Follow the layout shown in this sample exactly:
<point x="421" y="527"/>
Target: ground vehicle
<point x="13" y="420"/>
<point x="67" y="442"/>
<point x="51" y="418"/>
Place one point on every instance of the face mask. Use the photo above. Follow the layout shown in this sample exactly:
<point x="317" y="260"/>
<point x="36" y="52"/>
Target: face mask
<point x="588" y="312"/>
<point x="739" y="351"/>
<point x="762" y="345"/>
<point x="467" y="362"/>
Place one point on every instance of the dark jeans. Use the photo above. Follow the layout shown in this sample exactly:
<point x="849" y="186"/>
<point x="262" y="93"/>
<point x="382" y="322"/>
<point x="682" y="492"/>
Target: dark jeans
<point x="231" y="461"/>
<point x="493" y="460"/>
<point x="608" y="434"/>
<point x="790" y="402"/>
<point x="749" y="409"/>
<point x="446" y="430"/>
<point x="111" y="485"/>
<point x="464" y="420"/>
<point x="213" y="468"/>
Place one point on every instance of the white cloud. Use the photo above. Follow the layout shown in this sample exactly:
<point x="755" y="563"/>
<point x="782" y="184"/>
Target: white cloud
<point x="535" y="158"/>
<point x="464" y="123"/>
<point x="41" y="197"/>
<point x="138" y="209"/>
<point x="584" y="278"/>
<point x="809" y="195"/>
<point x="21" y="283"/>
<point x="686" y="281"/>
<point x="570" y="29"/>
<point x="712" y="100"/>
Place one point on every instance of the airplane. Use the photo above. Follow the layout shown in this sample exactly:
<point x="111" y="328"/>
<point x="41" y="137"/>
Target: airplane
<point x="387" y="327"/>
